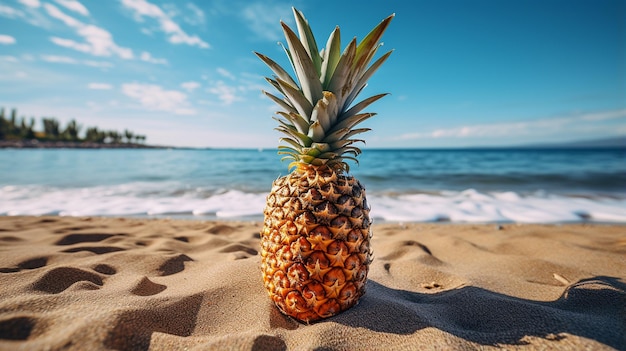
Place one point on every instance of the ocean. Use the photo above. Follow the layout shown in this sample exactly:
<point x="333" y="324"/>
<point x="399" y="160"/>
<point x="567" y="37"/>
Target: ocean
<point x="460" y="186"/>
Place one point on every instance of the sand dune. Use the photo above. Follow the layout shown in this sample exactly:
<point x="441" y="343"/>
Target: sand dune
<point x="135" y="284"/>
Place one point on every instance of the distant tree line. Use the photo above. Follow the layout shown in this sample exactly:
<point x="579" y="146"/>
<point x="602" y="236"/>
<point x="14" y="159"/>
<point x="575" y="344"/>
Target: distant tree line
<point x="13" y="129"/>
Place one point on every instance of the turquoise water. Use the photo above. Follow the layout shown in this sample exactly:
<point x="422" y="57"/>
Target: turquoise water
<point x="402" y="185"/>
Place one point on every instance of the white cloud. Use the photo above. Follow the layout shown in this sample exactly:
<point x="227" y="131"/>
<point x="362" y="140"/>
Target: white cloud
<point x="147" y="57"/>
<point x="69" y="21"/>
<point x="73" y="5"/>
<point x="30" y="3"/>
<point x="68" y="43"/>
<point x="6" y="39"/>
<point x="225" y="73"/>
<point x="190" y="86"/>
<point x="176" y="35"/>
<point x="58" y="59"/>
<point x="603" y="116"/>
<point x="73" y="61"/>
<point x="97" y="64"/>
<point x="98" y="42"/>
<point x="31" y="14"/>
<point x="263" y="19"/>
<point x="7" y="11"/>
<point x="226" y="93"/>
<point x="99" y="86"/>
<point x="196" y="16"/>
<point x="521" y="128"/>
<point x="252" y="82"/>
<point x="154" y="97"/>
<point x="190" y="13"/>
<point x="7" y="58"/>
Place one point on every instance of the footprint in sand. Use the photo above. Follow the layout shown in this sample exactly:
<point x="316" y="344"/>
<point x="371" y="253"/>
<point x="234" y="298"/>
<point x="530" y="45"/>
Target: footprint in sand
<point x="221" y="229"/>
<point x="72" y="239"/>
<point x="16" y="328"/>
<point x="10" y="238"/>
<point x="105" y="269"/>
<point x="32" y="263"/>
<point x="239" y="251"/>
<point x="174" y="265"/>
<point x="133" y="328"/>
<point x="269" y="342"/>
<point x="59" y="279"/>
<point x="146" y="287"/>
<point x="80" y="238"/>
<point x="98" y="250"/>
<point x="71" y="229"/>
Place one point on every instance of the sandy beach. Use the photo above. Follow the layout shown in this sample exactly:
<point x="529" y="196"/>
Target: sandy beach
<point x="83" y="283"/>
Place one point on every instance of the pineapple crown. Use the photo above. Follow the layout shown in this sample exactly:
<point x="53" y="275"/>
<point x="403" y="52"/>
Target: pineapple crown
<point x="318" y="117"/>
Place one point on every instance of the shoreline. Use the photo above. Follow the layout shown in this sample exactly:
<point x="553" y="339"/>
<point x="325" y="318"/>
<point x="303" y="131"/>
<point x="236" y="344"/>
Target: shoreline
<point x="36" y="144"/>
<point x="169" y="284"/>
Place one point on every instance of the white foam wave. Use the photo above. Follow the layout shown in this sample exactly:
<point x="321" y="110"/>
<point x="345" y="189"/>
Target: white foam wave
<point x="473" y="206"/>
<point x="166" y="200"/>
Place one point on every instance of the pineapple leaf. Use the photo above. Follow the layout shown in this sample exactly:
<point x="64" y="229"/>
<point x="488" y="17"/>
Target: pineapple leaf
<point x="274" y="83"/>
<point x="323" y="147"/>
<point x="362" y="82"/>
<point x="305" y="70"/>
<point x="280" y="102"/>
<point x="284" y="124"/>
<point x="351" y="150"/>
<point x="343" y="70"/>
<point x="291" y="154"/>
<point x="351" y="159"/>
<point x="331" y="56"/>
<point x="352" y="121"/>
<point x="320" y="113"/>
<point x="316" y="132"/>
<point x="361" y="105"/>
<point x="307" y="158"/>
<point x="288" y="55"/>
<point x="336" y="135"/>
<point x="357" y="131"/>
<point x="307" y="39"/>
<point x="296" y="120"/>
<point x="344" y="142"/>
<point x="286" y="150"/>
<point x="311" y="151"/>
<point x="276" y="68"/>
<point x="292" y="132"/>
<point x="330" y="155"/>
<point x="332" y="108"/>
<point x="295" y="144"/>
<point x="344" y="133"/>
<point x="370" y="42"/>
<point x="295" y="97"/>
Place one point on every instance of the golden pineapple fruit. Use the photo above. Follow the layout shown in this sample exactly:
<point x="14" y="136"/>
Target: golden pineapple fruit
<point x="315" y="242"/>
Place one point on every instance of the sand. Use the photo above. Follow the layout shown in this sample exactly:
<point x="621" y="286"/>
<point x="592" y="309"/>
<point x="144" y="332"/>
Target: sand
<point x="144" y="284"/>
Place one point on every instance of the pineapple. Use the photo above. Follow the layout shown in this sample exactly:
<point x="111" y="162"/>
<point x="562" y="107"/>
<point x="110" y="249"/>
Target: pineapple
<point x="315" y="242"/>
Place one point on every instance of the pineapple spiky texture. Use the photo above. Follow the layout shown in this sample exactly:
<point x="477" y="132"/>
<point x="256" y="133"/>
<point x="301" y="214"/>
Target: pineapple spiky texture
<point x="315" y="242"/>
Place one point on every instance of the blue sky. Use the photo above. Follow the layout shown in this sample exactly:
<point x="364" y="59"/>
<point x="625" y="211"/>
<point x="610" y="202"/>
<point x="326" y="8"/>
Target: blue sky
<point x="463" y="73"/>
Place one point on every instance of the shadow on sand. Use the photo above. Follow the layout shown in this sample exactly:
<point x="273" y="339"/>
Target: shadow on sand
<point x="592" y="308"/>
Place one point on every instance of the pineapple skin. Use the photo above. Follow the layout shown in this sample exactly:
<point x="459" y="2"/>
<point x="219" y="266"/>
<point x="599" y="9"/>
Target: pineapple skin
<point x="315" y="242"/>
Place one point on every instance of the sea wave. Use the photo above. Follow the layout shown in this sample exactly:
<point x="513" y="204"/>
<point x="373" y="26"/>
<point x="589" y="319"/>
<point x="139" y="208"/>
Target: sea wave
<point x="172" y="200"/>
